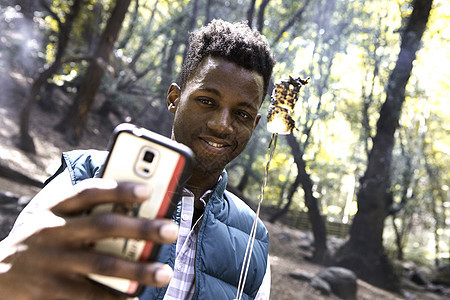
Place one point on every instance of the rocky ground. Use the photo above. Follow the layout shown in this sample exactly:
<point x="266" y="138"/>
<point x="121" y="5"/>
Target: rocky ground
<point x="287" y="257"/>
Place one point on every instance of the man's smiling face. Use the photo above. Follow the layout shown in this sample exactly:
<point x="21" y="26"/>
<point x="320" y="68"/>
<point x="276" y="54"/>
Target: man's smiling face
<point x="216" y="113"/>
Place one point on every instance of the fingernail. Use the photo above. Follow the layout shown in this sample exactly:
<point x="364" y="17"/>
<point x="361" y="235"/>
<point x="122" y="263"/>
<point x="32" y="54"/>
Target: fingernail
<point x="163" y="274"/>
<point x="169" y="231"/>
<point x="142" y="191"/>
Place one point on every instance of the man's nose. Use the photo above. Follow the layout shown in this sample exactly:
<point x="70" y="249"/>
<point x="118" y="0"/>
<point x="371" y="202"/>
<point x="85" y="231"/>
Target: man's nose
<point x="221" y="122"/>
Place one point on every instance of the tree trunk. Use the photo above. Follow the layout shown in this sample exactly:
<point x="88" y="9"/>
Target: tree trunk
<point x="321" y="253"/>
<point x="130" y="30"/>
<point x="398" y="239"/>
<point x="191" y="27"/>
<point x="285" y="208"/>
<point x="208" y="11"/>
<point x="26" y="141"/>
<point x="364" y="252"/>
<point x="408" y="184"/>
<point x="73" y="123"/>
<point x="261" y="11"/>
<point x="251" y="149"/>
<point x="251" y="12"/>
<point x="194" y="16"/>
<point x="435" y="196"/>
<point x="295" y="19"/>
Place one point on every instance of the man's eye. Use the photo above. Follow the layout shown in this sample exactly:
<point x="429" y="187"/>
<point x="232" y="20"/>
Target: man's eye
<point x="243" y="115"/>
<point x="205" y="101"/>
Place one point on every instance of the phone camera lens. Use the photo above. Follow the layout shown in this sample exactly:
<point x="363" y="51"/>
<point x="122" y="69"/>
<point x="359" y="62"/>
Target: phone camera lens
<point x="149" y="156"/>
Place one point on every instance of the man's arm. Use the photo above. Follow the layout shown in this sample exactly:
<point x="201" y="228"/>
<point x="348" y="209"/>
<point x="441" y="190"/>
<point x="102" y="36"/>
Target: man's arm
<point x="48" y="253"/>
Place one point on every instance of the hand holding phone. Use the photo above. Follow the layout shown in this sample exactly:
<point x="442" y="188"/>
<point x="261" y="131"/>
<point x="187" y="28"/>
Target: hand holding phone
<point x="141" y="156"/>
<point x="50" y="254"/>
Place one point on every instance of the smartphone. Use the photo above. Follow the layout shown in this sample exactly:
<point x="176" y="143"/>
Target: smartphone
<point x="142" y="156"/>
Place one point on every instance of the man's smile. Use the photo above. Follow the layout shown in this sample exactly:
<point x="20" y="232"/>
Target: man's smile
<point x="215" y="143"/>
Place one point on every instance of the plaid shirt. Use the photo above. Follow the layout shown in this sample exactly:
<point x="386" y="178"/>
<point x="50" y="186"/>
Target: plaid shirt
<point x="182" y="284"/>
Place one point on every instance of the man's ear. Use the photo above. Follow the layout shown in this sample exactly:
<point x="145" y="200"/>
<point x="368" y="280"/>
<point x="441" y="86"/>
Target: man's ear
<point x="173" y="97"/>
<point x="258" y="117"/>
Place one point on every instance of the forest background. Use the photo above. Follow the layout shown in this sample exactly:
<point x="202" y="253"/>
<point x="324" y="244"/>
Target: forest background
<point x="371" y="147"/>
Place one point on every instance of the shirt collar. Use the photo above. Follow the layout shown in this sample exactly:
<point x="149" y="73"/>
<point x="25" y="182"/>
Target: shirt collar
<point x="205" y="197"/>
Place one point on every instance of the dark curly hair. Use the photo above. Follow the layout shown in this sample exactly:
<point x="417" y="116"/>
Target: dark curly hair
<point x="235" y="42"/>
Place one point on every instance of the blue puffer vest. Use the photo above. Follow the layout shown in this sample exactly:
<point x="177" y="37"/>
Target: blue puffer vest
<point x="222" y="238"/>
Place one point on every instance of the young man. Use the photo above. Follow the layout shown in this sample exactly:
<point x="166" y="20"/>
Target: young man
<point x="47" y="256"/>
